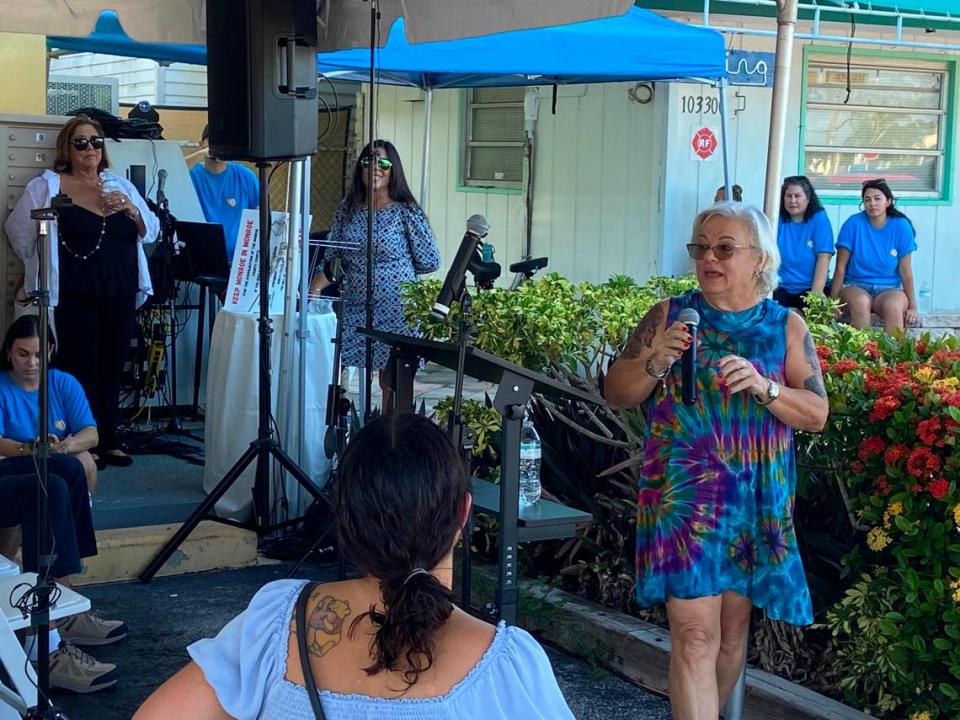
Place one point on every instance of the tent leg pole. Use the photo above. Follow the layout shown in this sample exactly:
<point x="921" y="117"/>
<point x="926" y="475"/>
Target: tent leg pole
<point x="786" y="24"/>
<point x="425" y="167"/>
<point x="724" y="137"/>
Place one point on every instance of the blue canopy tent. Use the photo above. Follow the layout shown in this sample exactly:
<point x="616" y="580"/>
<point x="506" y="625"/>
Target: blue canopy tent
<point x="638" y="45"/>
<point x="109" y="38"/>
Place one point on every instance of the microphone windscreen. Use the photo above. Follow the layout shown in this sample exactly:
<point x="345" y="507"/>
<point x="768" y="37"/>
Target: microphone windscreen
<point x="478" y="225"/>
<point x="689" y="316"/>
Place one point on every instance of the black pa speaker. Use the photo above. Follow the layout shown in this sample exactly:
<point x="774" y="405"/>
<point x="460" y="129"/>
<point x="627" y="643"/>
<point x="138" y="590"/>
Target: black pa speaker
<point x="262" y="78"/>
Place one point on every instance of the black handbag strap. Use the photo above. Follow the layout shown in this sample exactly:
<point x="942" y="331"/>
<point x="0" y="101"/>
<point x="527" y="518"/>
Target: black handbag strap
<point x="301" y="619"/>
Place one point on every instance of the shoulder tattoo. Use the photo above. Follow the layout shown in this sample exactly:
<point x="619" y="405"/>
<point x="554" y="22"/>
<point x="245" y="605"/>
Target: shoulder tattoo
<point x="324" y="625"/>
<point x="813" y="383"/>
<point x="644" y="333"/>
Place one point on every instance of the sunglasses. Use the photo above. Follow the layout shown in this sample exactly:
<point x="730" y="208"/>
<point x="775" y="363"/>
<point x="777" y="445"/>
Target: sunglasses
<point x="879" y="181"/>
<point x="81" y="143"/>
<point x="721" y="251"/>
<point x="382" y="162"/>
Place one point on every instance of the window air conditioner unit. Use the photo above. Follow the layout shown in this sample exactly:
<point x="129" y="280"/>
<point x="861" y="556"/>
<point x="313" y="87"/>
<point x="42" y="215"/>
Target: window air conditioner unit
<point x="66" y="93"/>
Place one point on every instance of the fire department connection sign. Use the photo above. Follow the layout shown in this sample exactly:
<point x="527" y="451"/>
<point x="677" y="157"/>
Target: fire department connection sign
<point x="704" y="143"/>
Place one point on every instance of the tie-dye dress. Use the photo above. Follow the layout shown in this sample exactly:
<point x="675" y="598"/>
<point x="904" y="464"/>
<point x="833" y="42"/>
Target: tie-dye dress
<point x="715" y="508"/>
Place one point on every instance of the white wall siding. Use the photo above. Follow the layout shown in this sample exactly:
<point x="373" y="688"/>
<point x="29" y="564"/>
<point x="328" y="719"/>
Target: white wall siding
<point x="596" y="180"/>
<point x="178" y="84"/>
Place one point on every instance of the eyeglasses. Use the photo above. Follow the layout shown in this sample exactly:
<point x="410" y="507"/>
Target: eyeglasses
<point x="879" y="181"/>
<point x="81" y="143"/>
<point x="721" y="251"/>
<point x="382" y="162"/>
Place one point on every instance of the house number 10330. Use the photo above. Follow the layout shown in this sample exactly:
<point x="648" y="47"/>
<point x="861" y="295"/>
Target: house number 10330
<point x="698" y="104"/>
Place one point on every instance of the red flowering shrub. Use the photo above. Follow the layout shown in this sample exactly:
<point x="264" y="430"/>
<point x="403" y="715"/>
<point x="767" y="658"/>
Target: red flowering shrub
<point x="892" y="444"/>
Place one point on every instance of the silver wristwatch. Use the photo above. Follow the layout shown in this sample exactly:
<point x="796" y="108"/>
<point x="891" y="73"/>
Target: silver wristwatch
<point x="773" y="392"/>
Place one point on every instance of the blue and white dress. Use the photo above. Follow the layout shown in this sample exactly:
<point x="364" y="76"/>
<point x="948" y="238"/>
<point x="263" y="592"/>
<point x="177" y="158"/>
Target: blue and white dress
<point x="403" y="247"/>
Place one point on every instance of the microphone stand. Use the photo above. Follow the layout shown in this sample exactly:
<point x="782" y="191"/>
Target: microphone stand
<point x="40" y="609"/>
<point x="460" y="434"/>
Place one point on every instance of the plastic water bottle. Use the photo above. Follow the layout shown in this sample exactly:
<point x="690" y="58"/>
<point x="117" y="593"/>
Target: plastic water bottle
<point x="923" y="299"/>
<point x="109" y="182"/>
<point x="530" y="453"/>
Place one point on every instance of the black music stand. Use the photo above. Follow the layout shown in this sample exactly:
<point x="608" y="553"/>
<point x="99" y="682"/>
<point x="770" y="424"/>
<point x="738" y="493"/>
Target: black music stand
<point x="205" y="263"/>
<point x="545" y="520"/>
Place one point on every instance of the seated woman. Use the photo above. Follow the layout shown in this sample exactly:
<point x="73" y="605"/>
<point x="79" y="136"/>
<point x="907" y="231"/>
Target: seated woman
<point x="73" y="476"/>
<point x="72" y="429"/>
<point x="390" y="644"/>
<point x="805" y="241"/>
<point x="874" y="271"/>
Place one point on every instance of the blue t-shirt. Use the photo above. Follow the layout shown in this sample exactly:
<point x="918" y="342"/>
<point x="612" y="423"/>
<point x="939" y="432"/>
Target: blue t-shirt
<point x="224" y="196"/>
<point x="799" y="245"/>
<point x="875" y="254"/>
<point x="246" y="662"/>
<point x="19" y="409"/>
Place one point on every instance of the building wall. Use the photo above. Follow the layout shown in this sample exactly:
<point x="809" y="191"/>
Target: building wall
<point x="23" y="59"/>
<point x="597" y="166"/>
<point x="178" y="84"/>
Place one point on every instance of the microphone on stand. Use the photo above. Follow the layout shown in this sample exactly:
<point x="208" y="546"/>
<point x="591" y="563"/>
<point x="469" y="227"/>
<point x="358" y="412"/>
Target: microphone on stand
<point x="477" y="229"/>
<point x="688" y="366"/>
<point x="161" y="182"/>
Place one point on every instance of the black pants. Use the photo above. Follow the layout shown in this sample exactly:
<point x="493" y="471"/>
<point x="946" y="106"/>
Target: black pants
<point x="71" y="535"/>
<point x="795" y="300"/>
<point x="93" y="336"/>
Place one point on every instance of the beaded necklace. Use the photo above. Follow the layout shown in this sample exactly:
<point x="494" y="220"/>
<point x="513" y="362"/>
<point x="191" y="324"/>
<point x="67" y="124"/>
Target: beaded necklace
<point x="87" y="256"/>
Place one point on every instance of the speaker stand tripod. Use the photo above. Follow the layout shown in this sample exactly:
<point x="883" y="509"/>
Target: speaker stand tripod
<point x="265" y="448"/>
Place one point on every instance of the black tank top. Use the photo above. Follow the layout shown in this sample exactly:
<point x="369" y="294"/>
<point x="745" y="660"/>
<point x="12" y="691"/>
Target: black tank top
<point x="109" y="270"/>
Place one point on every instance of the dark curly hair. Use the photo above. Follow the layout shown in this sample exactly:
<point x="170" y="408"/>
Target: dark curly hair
<point x="803" y="182"/>
<point x="397" y="187"/>
<point x="400" y="497"/>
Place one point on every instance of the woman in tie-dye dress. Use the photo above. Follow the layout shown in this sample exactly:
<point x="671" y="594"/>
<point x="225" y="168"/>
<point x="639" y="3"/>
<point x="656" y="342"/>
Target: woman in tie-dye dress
<point x="715" y="533"/>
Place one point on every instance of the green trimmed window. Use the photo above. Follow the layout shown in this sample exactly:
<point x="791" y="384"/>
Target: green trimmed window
<point x="493" y="138"/>
<point x="879" y="119"/>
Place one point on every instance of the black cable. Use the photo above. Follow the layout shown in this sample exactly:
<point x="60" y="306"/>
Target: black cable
<point x="853" y="34"/>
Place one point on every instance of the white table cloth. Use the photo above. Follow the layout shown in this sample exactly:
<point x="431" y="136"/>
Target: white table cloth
<point x="231" y="417"/>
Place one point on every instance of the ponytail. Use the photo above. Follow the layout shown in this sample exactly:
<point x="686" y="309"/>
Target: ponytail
<point x="415" y="609"/>
<point x="400" y="497"/>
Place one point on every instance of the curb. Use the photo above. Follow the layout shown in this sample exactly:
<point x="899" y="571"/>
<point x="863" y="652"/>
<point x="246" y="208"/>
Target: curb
<point x="640" y="651"/>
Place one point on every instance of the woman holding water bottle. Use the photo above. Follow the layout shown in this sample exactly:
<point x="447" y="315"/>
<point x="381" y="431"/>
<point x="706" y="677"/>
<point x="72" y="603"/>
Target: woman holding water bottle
<point x="97" y="269"/>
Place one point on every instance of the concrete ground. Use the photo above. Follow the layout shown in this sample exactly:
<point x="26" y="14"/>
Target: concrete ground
<point x="168" y="614"/>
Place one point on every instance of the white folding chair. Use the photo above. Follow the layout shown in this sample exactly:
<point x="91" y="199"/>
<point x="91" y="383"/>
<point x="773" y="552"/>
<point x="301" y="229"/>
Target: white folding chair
<point x="22" y="693"/>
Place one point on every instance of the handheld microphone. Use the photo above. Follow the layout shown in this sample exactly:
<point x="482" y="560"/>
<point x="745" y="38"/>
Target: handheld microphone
<point x="688" y="367"/>
<point x="477" y="229"/>
<point x="161" y="181"/>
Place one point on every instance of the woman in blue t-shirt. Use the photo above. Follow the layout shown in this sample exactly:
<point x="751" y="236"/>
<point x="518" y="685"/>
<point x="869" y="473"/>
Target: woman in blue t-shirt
<point x="805" y="241"/>
<point x="874" y="271"/>
<point x="71" y="427"/>
<point x="390" y="644"/>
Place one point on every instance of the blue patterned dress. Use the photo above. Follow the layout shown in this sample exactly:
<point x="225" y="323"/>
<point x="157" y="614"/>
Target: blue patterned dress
<point x="715" y="508"/>
<point x="403" y="247"/>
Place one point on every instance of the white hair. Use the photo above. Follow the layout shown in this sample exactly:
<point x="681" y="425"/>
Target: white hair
<point x="761" y="236"/>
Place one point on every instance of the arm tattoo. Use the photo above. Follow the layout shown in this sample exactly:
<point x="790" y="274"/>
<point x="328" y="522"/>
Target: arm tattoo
<point x="644" y="334"/>
<point x="814" y="383"/>
<point x="325" y="625"/>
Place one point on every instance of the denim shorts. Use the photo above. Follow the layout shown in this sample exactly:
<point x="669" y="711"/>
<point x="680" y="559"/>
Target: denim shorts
<point x="873" y="289"/>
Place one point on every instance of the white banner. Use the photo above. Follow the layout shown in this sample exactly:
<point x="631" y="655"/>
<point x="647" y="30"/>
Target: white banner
<point x="243" y="292"/>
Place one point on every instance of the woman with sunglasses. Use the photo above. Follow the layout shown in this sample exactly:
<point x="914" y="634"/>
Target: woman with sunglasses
<point x="874" y="269"/>
<point x="390" y="644"/>
<point x="403" y="247"/>
<point x="97" y="268"/>
<point x="715" y="534"/>
<point x="805" y="242"/>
